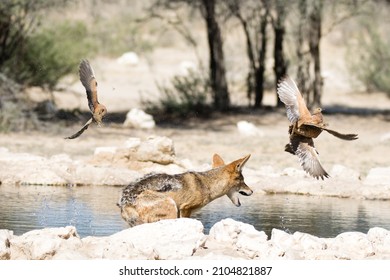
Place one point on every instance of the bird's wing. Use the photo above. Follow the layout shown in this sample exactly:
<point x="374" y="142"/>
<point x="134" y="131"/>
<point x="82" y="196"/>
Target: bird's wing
<point x="348" y="137"/>
<point x="304" y="148"/>
<point x="87" y="78"/>
<point x="290" y="95"/>
<point x="85" y="127"/>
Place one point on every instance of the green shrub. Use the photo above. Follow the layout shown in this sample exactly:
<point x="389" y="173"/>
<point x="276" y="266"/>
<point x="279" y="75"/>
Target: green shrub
<point x="16" y="113"/>
<point x="49" y="54"/>
<point x="188" y="96"/>
<point x="121" y="34"/>
<point x="369" y="62"/>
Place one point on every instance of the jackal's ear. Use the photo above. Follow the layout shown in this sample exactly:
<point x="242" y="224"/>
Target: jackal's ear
<point x="217" y="161"/>
<point x="241" y="162"/>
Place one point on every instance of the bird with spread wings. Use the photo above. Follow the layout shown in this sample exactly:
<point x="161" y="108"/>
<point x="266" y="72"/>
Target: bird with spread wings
<point x="304" y="126"/>
<point x="87" y="78"/>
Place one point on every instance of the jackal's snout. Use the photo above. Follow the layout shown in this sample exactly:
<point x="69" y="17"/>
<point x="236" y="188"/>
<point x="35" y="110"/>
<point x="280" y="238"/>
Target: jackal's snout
<point x="247" y="191"/>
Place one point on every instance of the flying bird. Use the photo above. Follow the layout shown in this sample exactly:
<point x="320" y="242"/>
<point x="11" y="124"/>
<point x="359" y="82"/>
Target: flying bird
<point x="87" y="78"/>
<point x="304" y="126"/>
<point x="308" y="156"/>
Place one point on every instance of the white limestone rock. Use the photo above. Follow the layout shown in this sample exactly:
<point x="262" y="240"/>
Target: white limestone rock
<point x="283" y="245"/>
<point x="247" y="129"/>
<point x="385" y="137"/>
<point x="378" y="176"/>
<point x="352" y="245"/>
<point x="25" y="168"/>
<point x="241" y="236"/>
<point x="342" y="172"/>
<point x="5" y="250"/>
<point x="380" y="240"/>
<point x="103" y="176"/>
<point x="36" y="175"/>
<point x="128" y="58"/>
<point x="166" y="239"/>
<point x="158" y="149"/>
<point x="44" y="244"/>
<point x="312" y="247"/>
<point x="135" y="152"/>
<point x="137" y="118"/>
<point x="184" y="239"/>
<point x="133" y="143"/>
<point x="310" y="242"/>
<point x="107" y="248"/>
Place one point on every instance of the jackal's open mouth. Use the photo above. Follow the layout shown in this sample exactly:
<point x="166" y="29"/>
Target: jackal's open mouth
<point x="234" y="198"/>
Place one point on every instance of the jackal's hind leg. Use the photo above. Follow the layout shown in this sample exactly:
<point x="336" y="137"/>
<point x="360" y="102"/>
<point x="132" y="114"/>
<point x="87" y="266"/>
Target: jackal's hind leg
<point x="185" y="213"/>
<point x="153" y="206"/>
<point x="130" y="215"/>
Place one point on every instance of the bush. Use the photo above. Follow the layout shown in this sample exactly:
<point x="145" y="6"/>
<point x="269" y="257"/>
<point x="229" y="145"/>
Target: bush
<point x="49" y="54"/>
<point x="188" y="96"/>
<point x="370" y="61"/>
<point x="15" y="112"/>
<point x="121" y="34"/>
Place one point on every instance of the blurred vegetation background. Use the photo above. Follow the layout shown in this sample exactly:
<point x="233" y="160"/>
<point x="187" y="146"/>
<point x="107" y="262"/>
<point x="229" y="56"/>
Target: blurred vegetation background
<point x="42" y="41"/>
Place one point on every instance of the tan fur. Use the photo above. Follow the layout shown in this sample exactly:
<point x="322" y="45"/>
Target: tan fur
<point x="163" y="196"/>
<point x="150" y="207"/>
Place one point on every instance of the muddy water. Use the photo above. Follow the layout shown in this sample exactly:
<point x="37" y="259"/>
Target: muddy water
<point x="93" y="210"/>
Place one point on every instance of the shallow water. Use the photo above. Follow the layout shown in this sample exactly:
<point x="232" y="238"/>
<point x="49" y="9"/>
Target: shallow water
<point x="93" y="211"/>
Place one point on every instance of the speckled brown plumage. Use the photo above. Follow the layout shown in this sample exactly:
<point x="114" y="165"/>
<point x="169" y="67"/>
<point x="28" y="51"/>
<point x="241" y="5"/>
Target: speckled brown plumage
<point x="304" y="126"/>
<point x="87" y="78"/>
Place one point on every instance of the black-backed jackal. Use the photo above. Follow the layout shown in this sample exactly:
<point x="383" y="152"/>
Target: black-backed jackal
<point x="162" y="196"/>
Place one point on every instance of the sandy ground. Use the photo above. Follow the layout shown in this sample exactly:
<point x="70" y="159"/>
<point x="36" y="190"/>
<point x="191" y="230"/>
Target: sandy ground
<point x="198" y="140"/>
<point x="122" y="87"/>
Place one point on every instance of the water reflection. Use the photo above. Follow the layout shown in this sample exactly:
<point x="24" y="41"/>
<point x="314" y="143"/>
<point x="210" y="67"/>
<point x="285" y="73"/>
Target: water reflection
<point x="320" y="216"/>
<point x="93" y="211"/>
